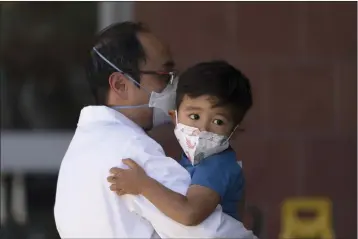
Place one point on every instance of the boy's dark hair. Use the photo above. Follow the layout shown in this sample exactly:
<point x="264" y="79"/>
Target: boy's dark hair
<point x="120" y="45"/>
<point x="220" y="80"/>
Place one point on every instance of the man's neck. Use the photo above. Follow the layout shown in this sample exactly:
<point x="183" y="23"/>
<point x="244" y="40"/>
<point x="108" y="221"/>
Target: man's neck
<point x="130" y="116"/>
<point x="127" y="112"/>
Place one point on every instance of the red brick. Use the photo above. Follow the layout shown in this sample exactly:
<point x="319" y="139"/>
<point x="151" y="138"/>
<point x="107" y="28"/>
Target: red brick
<point x="347" y="99"/>
<point x="270" y="169"/>
<point x="282" y="171"/>
<point x="331" y="30"/>
<point x="267" y="30"/>
<point x="270" y="177"/>
<point x="195" y="31"/>
<point x="256" y="120"/>
<point x="301" y="100"/>
<point x="331" y="171"/>
<point x="331" y="168"/>
<point x="254" y="156"/>
<point x="345" y="219"/>
<point x="273" y="220"/>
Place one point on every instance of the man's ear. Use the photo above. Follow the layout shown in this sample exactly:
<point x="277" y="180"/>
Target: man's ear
<point x="118" y="83"/>
<point x="172" y="115"/>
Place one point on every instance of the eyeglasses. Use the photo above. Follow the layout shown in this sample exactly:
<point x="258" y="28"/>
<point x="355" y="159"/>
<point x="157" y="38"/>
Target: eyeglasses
<point x="168" y="76"/>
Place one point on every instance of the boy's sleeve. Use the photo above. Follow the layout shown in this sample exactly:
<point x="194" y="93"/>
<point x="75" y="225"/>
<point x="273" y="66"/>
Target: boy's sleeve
<point x="212" y="173"/>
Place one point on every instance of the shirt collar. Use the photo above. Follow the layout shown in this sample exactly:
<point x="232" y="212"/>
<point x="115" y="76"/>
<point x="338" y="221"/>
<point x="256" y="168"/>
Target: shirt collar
<point x="103" y="115"/>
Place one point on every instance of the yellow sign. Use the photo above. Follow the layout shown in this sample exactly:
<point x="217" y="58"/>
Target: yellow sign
<point x="294" y="226"/>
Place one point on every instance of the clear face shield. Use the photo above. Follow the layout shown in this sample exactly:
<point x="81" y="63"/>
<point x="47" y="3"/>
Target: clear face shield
<point x="160" y="102"/>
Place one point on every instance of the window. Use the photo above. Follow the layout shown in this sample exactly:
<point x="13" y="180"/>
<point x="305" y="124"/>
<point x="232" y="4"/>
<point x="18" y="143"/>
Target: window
<point x="44" y="46"/>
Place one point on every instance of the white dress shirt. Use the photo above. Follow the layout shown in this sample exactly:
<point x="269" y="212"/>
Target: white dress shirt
<point x="86" y="208"/>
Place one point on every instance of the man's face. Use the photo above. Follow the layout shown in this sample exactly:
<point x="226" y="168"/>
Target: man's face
<point x="158" y="59"/>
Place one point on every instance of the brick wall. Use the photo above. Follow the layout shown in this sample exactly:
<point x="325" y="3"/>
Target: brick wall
<point x="300" y="136"/>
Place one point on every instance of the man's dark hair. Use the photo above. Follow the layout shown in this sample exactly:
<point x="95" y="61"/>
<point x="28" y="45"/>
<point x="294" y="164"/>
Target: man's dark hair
<point x="118" y="43"/>
<point x="218" y="79"/>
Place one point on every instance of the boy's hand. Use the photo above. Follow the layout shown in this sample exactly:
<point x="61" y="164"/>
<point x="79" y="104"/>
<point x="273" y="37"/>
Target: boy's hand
<point x="127" y="181"/>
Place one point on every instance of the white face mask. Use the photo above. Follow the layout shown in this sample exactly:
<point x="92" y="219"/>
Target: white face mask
<point x="160" y="102"/>
<point x="197" y="144"/>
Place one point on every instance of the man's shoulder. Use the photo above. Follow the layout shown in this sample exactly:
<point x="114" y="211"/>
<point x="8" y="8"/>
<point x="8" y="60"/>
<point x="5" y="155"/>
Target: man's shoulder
<point x="136" y="140"/>
<point x="118" y="131"/>
<point x="115" y="137"/>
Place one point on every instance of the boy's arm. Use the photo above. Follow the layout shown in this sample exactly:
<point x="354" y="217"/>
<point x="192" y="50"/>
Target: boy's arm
<point x="189" y="210"/>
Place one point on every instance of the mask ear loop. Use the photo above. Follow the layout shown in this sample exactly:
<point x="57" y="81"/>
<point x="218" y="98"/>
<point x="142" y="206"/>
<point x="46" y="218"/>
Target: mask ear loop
<point x="128" y="76"/>
<point x="118" y="107"/>
<point x="227" y="140"/>
<point x="116" y="68"/>
<point x="176" y="117"/>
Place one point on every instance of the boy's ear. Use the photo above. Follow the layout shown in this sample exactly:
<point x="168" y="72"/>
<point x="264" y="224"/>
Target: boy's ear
<point x="172" y="115"/>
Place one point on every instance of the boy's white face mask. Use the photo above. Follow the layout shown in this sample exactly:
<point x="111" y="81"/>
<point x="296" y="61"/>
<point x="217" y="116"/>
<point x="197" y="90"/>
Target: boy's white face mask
<point x="197" y="144"/>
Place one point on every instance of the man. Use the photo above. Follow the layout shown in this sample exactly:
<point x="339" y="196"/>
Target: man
<point x="131" y="76"/>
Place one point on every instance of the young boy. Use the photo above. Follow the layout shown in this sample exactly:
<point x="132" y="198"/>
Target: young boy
<point x="212" y="99"/>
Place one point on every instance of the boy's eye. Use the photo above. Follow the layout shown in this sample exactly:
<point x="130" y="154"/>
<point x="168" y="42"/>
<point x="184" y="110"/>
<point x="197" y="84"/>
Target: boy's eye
<point x="194" y="116"/>
<point x="218" y="122"/>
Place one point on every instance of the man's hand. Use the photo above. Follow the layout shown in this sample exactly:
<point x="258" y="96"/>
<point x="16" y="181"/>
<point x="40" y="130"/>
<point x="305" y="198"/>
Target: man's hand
<point x="128" y="181"/>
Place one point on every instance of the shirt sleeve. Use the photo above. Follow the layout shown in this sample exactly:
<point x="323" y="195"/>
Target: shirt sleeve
<point x="211" y="173"/>
<point x="169" y="173"/>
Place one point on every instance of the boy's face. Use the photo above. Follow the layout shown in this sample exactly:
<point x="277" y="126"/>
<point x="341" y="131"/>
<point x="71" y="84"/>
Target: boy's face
<point x="202" y="113"/>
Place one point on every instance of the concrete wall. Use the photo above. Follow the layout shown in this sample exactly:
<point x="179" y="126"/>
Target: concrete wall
<point x="300" y="137"/>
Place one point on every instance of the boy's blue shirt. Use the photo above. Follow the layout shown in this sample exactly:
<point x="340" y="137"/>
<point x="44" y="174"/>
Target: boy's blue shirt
<point x="222" y="174"/>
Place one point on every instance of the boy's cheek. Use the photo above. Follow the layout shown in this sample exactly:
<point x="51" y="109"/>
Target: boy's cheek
<point x="181" y="117"/>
